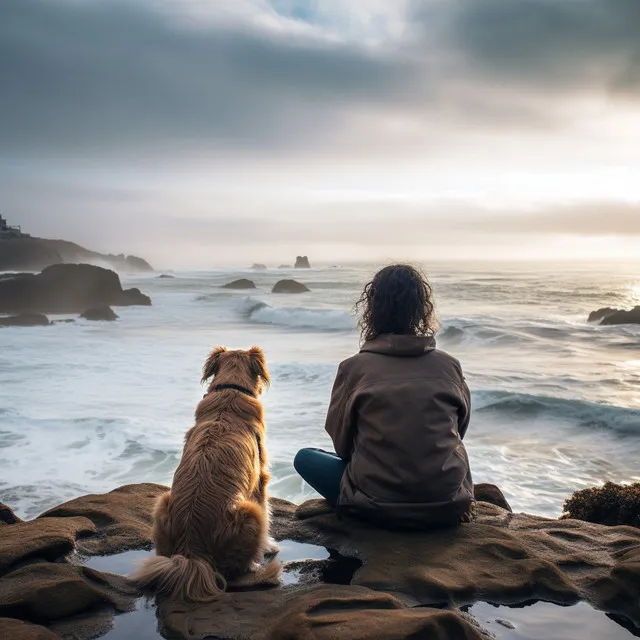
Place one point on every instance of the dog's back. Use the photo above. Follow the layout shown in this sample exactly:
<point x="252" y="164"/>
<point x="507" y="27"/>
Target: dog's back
<point x="213" y="524"/>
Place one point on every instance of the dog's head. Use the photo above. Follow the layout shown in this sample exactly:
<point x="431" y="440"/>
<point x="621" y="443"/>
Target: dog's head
<point x="247" y="369"/>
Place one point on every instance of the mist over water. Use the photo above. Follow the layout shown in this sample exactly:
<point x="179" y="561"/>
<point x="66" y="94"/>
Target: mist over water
<point x="86" y="407"/>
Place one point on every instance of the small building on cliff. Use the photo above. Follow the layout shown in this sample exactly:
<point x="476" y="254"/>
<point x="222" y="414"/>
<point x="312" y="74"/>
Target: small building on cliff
<point x="10" y="232"/>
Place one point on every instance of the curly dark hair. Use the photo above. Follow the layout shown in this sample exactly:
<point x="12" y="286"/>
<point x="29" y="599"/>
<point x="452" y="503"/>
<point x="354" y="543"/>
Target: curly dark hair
<point x="398" y="300"/>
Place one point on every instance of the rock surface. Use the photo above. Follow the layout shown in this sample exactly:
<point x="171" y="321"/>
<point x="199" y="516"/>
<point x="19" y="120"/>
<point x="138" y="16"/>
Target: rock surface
<point x="242" y="283"/>
<point x="302" y="262"/>
<point x="66" y="288"/>
<point x="14" y="629"/>
<point x="25" y="320"/>
<point x="623" y="317"/>
<point x="610" y="316"/>
<point x="486" y="492"/>
<point x="594" y="316"/>
<point x="7" y="516"/>
<point x="49" y="539"/>
<point x="257" y="266"/>
<point x="33" y="254"/>
<point x="322" y="612"/>
<point x="106" y="314"/>
<point x="165" y="276"/>
<point x="500" y="557"/>
<point x="122" y="517"/>
<point x="289" y="286"/>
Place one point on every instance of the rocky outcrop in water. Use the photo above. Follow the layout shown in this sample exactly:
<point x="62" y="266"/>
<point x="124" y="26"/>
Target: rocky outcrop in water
<point x="33" y="254"/>
<point x="104" y="314"/>
<point x="289" y="286"/>
<point x="610" y="316"/>
<point x="302" y="262"/>
<point x="374" y="583"/>
<point x="25" y="320"/>
<point x="611" y="504"/>
<point x="242" y="283"/>
<point x="66" y="288"/>
<point x="257" y="266"/>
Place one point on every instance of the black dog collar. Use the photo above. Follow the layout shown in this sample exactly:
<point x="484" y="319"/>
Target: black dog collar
<point x="235" y="387"/>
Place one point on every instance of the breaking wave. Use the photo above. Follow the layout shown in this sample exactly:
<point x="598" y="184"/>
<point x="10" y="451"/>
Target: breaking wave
<point x="260" y="312"/>
<point x="579" y="412"/>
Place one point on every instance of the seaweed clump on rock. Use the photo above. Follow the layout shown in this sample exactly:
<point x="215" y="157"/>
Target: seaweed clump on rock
<point x="611" y="504"/>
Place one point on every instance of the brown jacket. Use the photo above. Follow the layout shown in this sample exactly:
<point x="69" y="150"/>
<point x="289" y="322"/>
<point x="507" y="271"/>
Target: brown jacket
<point x="399" y="410"/>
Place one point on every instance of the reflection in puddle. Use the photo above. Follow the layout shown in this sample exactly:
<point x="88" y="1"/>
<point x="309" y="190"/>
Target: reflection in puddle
<point x="546" y="621"/>
<point x="290" y="550"/>
<point x="315" y="563"/>
<point x="122" y="563"/>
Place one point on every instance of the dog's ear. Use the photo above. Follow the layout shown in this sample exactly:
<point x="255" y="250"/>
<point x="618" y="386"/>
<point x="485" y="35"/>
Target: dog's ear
<point x="212" y="365"/>
<point x="259" y="365"/>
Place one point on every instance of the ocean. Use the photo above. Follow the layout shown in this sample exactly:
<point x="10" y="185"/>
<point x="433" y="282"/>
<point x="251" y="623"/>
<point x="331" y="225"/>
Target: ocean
<point x="86" y="407"/>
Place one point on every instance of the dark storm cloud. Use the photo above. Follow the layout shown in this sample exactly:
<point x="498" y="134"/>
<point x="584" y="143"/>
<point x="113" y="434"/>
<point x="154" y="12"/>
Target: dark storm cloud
<point x="551" y="44"/>
<point x="113" y="73"/>
<point x="100" y="76"/>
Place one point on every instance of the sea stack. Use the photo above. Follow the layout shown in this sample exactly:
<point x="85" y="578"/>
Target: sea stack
<point x="302" y="262"/>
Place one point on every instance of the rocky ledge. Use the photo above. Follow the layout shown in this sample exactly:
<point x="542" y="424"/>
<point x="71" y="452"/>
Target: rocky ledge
<point x="611" y="316"/>
<point x="370" y="584"/>
<point x="65" y="288"/>
<point x="289" y="286"/>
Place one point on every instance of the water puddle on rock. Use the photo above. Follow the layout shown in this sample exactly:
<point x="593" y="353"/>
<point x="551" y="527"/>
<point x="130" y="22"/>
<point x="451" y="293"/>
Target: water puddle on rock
<point x="307" y="560"/>
<point x="141" y="623"/>
<point x="546" y="621"/>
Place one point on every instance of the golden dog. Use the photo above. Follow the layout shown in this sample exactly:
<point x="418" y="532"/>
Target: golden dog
<point x="212" y="529"/>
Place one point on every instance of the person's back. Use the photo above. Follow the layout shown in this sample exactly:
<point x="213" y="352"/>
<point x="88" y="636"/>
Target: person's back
<point x="399" y="410"/>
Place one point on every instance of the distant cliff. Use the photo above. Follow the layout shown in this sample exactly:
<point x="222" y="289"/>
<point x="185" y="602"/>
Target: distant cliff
<point x="34" y="254"/>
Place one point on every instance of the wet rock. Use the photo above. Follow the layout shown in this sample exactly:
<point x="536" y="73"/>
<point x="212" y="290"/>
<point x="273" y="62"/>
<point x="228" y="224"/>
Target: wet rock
<point x="47" y="591"/>
<point x="13" y="629"/>
<point x="25" y="320"/>
<point x="322" y="612"/>
<point x="486" y="492"/>
<point x="242" y="283"/>
<point x="611" y="316"/>
<point x="594" y="316"/>
<point x="66" y="288"/>
<point x="611" y="504"/>
<point x="134" y="297"/>
<point x="165" y="276"/>
<point x="121" y="517"/>
<point x="258" y="266"/>
<point x="289" y="286"/>
<point x="50" y="539"/>
<point x="100" y="313"/>
<point x="377" y="575"/>
<point x="623" y="317"/>
<point x="7" y="516"/>
<point x="500" y="556"/>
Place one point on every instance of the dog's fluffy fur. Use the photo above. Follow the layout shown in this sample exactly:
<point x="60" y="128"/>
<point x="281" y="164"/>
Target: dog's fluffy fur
<point x="212" y="529"/>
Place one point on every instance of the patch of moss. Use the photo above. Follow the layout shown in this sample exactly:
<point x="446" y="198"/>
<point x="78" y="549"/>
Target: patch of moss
<point x="611" y="504"/>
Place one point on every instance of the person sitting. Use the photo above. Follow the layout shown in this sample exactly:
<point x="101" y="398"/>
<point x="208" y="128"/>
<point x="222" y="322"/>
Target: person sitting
<point x="399" y="410"/>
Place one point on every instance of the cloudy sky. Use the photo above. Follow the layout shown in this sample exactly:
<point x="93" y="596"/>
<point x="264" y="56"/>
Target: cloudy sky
<point x="214" y="131"/>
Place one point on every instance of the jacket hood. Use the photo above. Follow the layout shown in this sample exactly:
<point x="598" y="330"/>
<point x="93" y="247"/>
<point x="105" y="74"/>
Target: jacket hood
<point x="399" y="345"/>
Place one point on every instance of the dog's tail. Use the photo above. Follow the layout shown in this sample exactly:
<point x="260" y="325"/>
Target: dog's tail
<point x="185" y="579"/>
